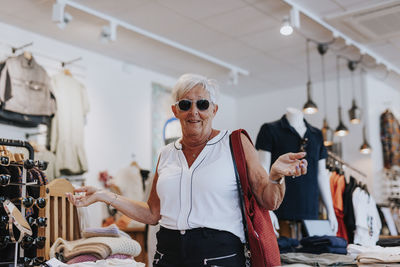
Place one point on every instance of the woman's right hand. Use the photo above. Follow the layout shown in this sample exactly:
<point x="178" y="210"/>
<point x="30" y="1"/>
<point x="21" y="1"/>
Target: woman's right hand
<point x="88" y="196"/>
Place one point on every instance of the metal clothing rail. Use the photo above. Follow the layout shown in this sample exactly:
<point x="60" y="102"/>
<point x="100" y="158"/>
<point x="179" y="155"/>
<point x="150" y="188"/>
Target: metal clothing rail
<point x="338" y="159"/>
<point x="18" y="143"/>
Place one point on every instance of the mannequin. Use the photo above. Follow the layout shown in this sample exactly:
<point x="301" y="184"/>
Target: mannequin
<point x="295" y="119"/>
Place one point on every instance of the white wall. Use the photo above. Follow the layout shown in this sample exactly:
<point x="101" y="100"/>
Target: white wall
<point x="119" y="121"/>
<point x="379" y="97"/>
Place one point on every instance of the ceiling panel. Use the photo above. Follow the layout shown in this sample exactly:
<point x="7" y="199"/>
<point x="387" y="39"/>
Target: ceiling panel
<point x="241" y="21"/>
<point x="200" y="10"/>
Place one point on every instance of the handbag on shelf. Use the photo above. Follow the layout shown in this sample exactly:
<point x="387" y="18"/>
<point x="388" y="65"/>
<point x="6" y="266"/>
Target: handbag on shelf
<point x="261" y="247"/>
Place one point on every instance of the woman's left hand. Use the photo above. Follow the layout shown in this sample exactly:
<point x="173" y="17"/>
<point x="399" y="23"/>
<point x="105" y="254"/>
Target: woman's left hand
<point x="289" y="164"/>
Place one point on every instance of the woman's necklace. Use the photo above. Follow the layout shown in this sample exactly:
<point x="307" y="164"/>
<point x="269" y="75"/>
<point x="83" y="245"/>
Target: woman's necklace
<point x="194" y="155"/>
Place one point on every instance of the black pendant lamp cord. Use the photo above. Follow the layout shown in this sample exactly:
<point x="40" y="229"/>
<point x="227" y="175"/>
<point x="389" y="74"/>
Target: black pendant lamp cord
<point x="338" y="81"/>
<point x="323" y="84"/>
<point x="362" y="101"/>
<point x="308" y="60"/>
<point x="352" y="84"/>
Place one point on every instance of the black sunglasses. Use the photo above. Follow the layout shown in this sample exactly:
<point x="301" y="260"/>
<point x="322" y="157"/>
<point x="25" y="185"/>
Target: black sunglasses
<point x="40" y="221"/>
<point x="186" y="104"/>
<point x="28" y="241"/>
<point x="29" y="201"/>
<point x="303" y="144"/>
<point x="36" y="261"/>
<point x="5" y="179"/>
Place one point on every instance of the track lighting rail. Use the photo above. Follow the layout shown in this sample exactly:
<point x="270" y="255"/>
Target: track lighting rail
<point x="116" y="22"/>
<point x="336" y="33"/>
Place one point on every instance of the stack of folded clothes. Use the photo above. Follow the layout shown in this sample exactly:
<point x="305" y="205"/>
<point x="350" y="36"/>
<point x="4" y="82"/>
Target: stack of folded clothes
<point x="96" y="244"/>
<point x="323" y="244"/>
<point x="287" y="244"/>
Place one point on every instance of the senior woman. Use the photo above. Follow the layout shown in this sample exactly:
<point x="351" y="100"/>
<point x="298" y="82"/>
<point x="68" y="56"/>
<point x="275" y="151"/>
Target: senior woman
<point x="194" y="194"/>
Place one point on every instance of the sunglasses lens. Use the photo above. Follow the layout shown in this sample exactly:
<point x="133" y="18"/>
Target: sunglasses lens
<point x="27" y="261"/>
<point x="4" y="179"/>
<point x="29" y="164"/>
<point x="28" y="202"/>
<point x="5" y="160"/>
<point x="184" y="105"/>
<point x="3" y="221"/>
<point x="41" y="202"/>
<point x="26" y="242"/>
<point x="4" y="240"/>
<point x="203" y="104"/>
<point x="41" y="221"/>
<point x="40" y="240"/>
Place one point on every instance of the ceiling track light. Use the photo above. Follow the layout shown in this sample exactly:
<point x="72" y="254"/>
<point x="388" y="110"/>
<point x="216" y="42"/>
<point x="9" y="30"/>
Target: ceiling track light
<point x="153" y="36"/>
<point x="341" y="129"/>
<point x="108" y="33"/>
<point x="309" y="107"/>
<point x="286" y="27"/>
<point x="59" y="15"/>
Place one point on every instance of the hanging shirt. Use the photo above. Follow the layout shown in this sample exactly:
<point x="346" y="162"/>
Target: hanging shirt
<point x="25" y="88"/>
<point x="338" y="184"/>
<point x="204" y="195"/>
<point x="390" y="138"/>
<point x="301" y="197"/>
<point x="368" y="223"/>
<point x="67" y="127"/>
<point x="348" y="210"/>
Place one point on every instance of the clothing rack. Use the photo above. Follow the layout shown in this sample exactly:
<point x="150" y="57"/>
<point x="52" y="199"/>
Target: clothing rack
<point x="43" y="56"/>
<point x="345" y="164"/>
<point x="18" y="143"/>
<point x="15" y="49"/>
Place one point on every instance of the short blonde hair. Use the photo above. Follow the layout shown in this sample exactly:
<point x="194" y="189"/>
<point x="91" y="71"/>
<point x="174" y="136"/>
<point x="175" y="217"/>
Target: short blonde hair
<point x="188" y="81"/>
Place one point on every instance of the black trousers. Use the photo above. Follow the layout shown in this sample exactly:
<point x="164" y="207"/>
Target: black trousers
<point x="198" y="247"/>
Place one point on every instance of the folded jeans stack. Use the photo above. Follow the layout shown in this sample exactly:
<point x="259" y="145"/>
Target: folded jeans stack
<point x="287" y="244"/>
<point x="323" y="244"/>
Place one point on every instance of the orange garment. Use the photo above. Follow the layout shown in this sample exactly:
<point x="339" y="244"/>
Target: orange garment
<point x="338" y="184"/>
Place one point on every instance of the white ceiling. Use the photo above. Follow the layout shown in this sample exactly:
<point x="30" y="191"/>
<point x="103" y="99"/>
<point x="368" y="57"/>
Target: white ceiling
<point x="244" y="33"/>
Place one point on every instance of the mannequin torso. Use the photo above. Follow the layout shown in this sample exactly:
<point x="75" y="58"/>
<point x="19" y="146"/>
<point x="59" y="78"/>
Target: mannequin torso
<point x="296" y="120"/>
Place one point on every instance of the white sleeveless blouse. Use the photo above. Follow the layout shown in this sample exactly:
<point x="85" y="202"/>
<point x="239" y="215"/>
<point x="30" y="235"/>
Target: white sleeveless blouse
<point x="204" y="195"/>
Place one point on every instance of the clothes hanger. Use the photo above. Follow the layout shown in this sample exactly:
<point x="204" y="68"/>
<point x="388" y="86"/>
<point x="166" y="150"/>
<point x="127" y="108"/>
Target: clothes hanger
<point x="134" y="164"/>
<point x="67" y="72"/>
<point x="27" y="55"/>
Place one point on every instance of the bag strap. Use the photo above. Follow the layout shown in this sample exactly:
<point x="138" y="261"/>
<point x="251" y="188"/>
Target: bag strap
<point x="235" y="144"/>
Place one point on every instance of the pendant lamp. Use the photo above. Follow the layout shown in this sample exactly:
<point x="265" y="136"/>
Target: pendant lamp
<point x="341" y="129"/>
<point x="365" y="148"/>
<point x="327" y="132"/>
<point x="309" y="107"/>
<point x="354" y="111"/>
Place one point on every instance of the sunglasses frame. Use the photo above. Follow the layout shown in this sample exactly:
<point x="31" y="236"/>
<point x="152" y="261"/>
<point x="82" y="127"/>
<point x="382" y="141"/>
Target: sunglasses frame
<point x="4" y="161"/>
<point x="28" y="241"/>
<point x="39" y="221"/>
<point x="191" y="103"/>
<point x="34" y="202"/>
<point x="6" y="176"/>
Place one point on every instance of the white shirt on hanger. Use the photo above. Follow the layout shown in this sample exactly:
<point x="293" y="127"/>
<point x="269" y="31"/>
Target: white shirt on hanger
<point x="67" y="133"/>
